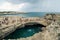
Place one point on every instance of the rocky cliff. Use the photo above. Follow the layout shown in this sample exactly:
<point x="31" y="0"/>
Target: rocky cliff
<point x="51" y="32"/>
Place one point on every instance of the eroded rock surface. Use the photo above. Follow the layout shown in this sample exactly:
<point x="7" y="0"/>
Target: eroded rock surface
<point x="52" y="32"/>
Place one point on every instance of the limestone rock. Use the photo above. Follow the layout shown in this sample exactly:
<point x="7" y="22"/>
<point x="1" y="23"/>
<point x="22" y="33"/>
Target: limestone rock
<point x="52" y="32"/>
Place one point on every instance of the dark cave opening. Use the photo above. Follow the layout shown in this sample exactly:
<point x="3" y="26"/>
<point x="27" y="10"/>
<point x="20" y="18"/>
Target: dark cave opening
<point x="27" y="31"/>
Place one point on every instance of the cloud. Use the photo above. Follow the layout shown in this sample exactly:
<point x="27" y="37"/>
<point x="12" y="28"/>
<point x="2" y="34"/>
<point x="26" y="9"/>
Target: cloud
<point x="50" y="6"/>
<point x="7" y="6"/>
<point x="22" y="1"/>
<point x="30" y="5"/>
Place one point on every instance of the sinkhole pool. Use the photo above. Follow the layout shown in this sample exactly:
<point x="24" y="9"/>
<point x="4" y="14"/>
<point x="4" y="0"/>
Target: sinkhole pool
<point x="27" y="31"/>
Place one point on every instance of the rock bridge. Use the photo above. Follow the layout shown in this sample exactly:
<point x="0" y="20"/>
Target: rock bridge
<point x="9" y="24"/>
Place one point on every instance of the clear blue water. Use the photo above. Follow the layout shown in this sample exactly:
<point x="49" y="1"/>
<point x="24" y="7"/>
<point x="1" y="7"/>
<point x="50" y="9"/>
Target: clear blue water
<point x="24" y="32"/>
<point x="30" y="14"/>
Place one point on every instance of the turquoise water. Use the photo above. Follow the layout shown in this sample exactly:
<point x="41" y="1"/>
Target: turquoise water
<point x="27" y="31"/>
<point x="30" y="14"/>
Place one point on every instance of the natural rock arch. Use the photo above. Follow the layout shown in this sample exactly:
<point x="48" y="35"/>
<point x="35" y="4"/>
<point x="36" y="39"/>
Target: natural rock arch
<point x="29" y="29"/>
<point x="34" y="23"/>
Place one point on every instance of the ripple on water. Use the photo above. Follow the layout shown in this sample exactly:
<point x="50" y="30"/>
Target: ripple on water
<point x="24" y="32"/>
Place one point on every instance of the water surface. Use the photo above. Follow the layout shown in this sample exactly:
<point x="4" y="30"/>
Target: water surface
<point x="30" y="14"/>
<point x="26" y="31"/>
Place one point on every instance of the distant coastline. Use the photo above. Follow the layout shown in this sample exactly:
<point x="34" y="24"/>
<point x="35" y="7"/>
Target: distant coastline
<point x="12" y="12"/>
<point x="16" y="12"/>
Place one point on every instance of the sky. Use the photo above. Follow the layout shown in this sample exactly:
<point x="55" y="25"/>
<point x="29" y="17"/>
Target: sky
<point x="30" y="5"/>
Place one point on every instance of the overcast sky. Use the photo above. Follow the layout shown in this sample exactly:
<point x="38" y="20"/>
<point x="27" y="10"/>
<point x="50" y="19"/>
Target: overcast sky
<point x="30" y="5"/>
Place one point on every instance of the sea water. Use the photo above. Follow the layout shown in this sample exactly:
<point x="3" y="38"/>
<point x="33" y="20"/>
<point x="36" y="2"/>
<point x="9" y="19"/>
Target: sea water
<point x="30" y="14"/>
<point x="24" y="32"/>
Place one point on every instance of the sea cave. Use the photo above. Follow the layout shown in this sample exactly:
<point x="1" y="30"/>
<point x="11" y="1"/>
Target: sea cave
<point x="28" y="30"/>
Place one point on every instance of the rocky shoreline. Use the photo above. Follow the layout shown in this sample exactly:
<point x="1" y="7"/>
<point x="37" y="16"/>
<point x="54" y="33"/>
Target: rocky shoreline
<point x="51" y="32"/>
<point x="11" y="12"/>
